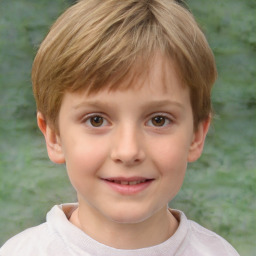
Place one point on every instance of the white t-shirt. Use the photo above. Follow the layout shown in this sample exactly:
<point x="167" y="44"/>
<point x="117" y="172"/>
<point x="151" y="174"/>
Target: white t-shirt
<point x="59" y="237"/>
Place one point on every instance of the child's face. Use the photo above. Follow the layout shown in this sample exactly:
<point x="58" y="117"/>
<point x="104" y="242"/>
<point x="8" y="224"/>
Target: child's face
<point x="126" y="152"/>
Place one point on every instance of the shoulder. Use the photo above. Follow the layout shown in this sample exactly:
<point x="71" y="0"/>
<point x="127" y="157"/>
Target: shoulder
<point x="44" y="239"/>
<point x="26" y="242"/>
<point x="207" y="240"/>
<point x="40" y="241"/>
<point x="198" y="240"/>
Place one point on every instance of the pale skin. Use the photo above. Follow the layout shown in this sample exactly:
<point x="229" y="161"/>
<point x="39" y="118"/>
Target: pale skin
<point x="126" y="154"/>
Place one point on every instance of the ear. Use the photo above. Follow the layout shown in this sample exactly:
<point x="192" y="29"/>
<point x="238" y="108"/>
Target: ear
<point x="197" y="145"/>
<point x="52" y="140"/>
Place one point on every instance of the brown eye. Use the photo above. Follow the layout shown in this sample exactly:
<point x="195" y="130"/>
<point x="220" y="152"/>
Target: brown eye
<point x="96" y="121"/>
<point x="158" y="120"/>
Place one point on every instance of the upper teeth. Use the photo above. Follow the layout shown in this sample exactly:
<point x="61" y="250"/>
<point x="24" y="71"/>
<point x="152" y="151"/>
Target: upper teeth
<point x="129" y="182"/>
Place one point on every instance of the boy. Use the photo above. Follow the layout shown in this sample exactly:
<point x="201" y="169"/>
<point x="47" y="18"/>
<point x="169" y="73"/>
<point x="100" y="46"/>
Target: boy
<point x="123" y="97"/>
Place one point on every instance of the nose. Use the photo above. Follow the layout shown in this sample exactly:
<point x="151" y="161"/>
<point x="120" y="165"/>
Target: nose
<point x="127" y="146"/>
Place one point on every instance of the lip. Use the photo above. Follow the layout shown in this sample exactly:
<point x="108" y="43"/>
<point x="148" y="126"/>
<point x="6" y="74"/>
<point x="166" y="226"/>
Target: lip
<point x="137" y="184"/>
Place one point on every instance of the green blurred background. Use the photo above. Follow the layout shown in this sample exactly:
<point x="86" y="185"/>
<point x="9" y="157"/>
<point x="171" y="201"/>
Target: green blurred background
<point x="219" y="190"/>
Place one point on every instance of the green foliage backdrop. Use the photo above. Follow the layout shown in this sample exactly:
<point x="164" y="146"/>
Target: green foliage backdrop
<point x="219" y="190"/>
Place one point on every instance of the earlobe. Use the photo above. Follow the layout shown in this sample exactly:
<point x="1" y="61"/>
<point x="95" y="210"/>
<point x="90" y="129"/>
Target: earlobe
<point x="52" y="140"/>
<point x="197" y="145"/>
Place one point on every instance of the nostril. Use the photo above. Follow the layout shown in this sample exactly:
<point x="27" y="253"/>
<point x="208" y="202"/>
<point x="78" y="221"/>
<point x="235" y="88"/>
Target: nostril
<point x="127" y="160"/>
<point x="127" y="149"/>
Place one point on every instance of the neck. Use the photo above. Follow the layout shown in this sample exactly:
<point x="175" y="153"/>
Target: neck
<point x="153" y="231"/>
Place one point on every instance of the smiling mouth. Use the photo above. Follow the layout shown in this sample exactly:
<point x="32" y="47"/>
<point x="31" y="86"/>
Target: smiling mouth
<point x="128" y="182"/>
<point x="128" y="186"/>
<point x="125" y="182"/>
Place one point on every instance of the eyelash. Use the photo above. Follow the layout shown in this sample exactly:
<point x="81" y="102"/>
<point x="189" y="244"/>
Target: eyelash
<point x="89" y="118"/>
<point x="162" y="117"/>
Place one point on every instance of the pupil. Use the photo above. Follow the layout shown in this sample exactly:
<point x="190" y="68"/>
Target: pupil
<point x="159" y="120"/>
<point x="96" y="121"/>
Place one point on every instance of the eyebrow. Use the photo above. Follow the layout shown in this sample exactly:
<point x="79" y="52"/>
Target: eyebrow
<point x="98" y="104"/>
<point x="150" y="104"/>
<point x="163" y="103"/>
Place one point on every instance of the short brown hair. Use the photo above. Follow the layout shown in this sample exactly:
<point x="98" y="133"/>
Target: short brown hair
<point x="95" y="44"/>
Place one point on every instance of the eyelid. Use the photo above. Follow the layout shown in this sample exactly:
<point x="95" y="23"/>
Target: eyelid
<point x="162" y="114"/>
<point x="87" y="117"/>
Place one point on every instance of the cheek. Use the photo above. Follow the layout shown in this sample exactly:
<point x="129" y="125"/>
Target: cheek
<point x="170" y="154"/>
<point x="84" y="160"/>
<point x="172" y="167"/>
<point x="170" y="160"/>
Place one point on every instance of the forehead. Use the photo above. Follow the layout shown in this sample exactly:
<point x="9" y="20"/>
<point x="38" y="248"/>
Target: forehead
<point x="157" y="73"/>
<point x="159" y="82"/>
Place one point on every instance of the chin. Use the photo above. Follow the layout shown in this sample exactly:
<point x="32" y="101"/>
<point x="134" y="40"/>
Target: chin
<point x="130" y="216"/>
